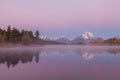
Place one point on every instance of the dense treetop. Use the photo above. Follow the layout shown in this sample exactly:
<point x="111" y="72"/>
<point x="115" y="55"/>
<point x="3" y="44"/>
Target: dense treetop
<point x="13" y="35"/>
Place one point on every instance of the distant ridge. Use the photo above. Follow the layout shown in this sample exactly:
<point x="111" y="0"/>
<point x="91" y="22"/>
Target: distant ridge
<point x="86" y="37"/>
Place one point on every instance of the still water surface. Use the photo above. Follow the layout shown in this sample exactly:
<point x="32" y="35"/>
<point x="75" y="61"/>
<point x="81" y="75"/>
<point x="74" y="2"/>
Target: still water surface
<point x="60" y="63"/>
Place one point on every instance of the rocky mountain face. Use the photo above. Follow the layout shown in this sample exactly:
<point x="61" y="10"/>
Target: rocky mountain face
<point x="86" y="37"/>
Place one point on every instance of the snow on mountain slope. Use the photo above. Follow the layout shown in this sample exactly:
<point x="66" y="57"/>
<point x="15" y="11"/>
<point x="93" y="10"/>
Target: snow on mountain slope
<point x="84" y="38"/>
<point x="60" y="39"/>
<point x="63" y="39"/>
<point x="45" y="38"/>
<point x="87" y="35"/>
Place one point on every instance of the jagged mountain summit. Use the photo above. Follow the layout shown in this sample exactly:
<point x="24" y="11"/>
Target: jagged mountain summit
<point x="63" y="39"/>
<point x="60" y="39"/>
<point x="45" y="38"/>
<point x="86" y="37"/>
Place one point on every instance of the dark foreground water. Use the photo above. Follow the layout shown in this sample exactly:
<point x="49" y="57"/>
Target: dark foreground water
<point x="60" y="63"/>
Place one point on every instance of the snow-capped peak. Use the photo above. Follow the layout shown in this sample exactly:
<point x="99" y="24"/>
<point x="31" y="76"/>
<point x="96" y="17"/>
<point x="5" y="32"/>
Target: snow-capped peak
<point x="62" y="39"/>
<point x="45" y="38"/>
<point x="87" y="35"/>
<point x="84" y="38"/>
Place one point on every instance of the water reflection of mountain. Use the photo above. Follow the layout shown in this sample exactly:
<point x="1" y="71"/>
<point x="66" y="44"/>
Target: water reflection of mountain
<point x="11" y="57"/>
<point x="86" y="52"/>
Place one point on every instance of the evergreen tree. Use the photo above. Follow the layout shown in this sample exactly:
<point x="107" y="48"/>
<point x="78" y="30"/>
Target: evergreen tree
<point x="26" y="40"/>
<point x="37" y="34"/>
<point x="15" y="35"/>
<point x="8" y="33"/>
<point x="0" y="31"/>
<point x="31" y="35"/>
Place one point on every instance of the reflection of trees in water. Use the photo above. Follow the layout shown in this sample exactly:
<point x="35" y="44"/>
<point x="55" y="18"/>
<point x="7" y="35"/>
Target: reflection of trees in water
<point x="12" y="58"/>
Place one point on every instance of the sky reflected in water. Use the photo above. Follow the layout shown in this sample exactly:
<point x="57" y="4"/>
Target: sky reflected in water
<point x="60" y="63"/>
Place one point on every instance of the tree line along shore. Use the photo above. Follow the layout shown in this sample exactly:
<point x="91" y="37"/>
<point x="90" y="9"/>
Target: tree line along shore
<point x="13" y="36"/>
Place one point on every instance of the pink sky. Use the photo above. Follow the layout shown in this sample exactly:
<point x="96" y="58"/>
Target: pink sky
<point x="60" y="14"/>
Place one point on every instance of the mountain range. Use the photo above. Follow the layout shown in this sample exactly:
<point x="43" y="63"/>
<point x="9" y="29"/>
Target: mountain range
<point x="84" y="38"/>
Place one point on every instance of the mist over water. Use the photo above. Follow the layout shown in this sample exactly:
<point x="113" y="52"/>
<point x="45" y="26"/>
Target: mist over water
<point x="60" y="63"/>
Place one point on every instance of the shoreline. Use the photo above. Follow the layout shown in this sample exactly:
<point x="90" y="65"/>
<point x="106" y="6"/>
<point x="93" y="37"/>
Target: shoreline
<point x="2" y="45"/>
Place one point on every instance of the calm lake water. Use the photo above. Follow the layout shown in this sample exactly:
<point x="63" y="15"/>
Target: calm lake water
<point x="60" y="63"/>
